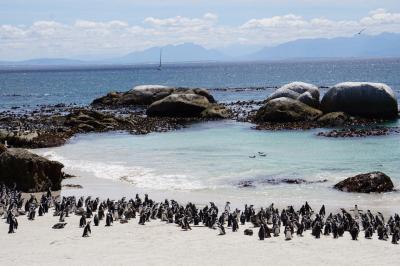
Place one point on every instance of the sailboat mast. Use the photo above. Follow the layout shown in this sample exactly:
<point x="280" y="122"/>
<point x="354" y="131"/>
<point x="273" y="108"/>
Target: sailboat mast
<point x="159" y="66"/>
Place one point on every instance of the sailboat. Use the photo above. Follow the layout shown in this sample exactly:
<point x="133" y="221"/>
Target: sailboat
<point x="160" y="64"/>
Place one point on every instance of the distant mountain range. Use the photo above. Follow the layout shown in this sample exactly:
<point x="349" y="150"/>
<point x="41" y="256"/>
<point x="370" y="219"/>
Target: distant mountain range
<point x="358" y="46"/>
<point x="383" y="45"/>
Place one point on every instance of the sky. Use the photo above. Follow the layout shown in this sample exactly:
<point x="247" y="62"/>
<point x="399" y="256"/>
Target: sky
<point x="95" y="29"/>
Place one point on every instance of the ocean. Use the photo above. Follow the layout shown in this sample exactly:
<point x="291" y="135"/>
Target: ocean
<point x="31" y="86"/>
<point x="207" y="161"/>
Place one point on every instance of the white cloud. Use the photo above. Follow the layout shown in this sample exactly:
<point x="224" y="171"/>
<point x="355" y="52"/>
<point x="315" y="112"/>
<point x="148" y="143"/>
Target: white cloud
<point x="53" y="39"/>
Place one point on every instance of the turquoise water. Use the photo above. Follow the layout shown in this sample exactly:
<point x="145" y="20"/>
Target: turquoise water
<point x="210" y="159"/>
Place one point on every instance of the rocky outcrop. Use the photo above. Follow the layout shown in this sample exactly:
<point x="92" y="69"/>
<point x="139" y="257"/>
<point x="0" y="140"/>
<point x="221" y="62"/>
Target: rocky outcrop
<point x="30" y="172"/>
<point x="146" y="95"/>
<point x="366" y="183"/>
<point x="371" y="100"/>
<point x="216" y="111"/>
<point x="286" y="110"/>
<point x="179" y="105"/>
<point x="304" y="92"/>
<point x="334" y="119"/>
<point x="84" y="120"/>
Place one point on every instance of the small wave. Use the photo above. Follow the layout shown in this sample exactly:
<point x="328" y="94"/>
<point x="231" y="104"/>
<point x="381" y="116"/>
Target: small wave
<point x="139" y="176"/>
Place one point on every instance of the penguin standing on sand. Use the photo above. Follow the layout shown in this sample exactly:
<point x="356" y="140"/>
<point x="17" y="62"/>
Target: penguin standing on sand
<point x="235" y="225"/>
<point x="276" y="230"/>
<point x="32" y="213"/>
<point x="87" y="231"/>
<point x="242" y="218"/>
<point x="109" y="219"/>
<point x="395" y="236"/>
<point x="13" y="224"/>
<point x="82" y="221"/>
<point x="41" y="210"/>
<point x="288" y="233"/>
<point x="221" y="229"/>
<point x="261" y="232"/>
<point x="354" y="231"/>
<point x="300" y="229"/>
<point x="96" y="220"/>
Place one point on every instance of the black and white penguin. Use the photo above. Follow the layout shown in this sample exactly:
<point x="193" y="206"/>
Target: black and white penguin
<point x="288" y="233"/>
<point x="354" y="231"/>
<point x="87" y="231"/>
<point x="221" y="229"/>
<point x="59" y="225"/>
<point x="235" y="225"/>
<point x="109" y="219"/>
<point x="41" y="210"/>
<point x="242" y="218"/>
<point x="11" y="225"/>
<point x="261" y="232"/>
<point x="96" y="220"/>
<point x="82" y="221"/>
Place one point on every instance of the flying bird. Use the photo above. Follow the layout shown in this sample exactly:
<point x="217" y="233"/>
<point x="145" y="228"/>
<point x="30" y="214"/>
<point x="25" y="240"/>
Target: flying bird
<point x="361" y="31"/>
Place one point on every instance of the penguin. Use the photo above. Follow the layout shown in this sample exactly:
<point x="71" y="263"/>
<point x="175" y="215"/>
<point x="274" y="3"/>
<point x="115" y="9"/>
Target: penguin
<point x="242" y="219"/>
<point x="109" y="219"/>
<point x="82" y="221"/>
<point x="31" y="214"/>
<point x="41" y="210"/>
<point x="276" y="230"/>
<point x="62" y="219"/>
<point x="300" y="229"/>
<point x="87" y="231"/>
<point x="59" y="225"/>
<point x="235" y="225"/>
<point x="248" y="232"/>
<point x="11" y="225"/>
<point x="395" y="236"/>
<point x="96" y="220"/>
<point x="221" y="229"/>
<point x="261" y="232"/>
<point x="354" y="231"/>
<point x="288" y="233"/>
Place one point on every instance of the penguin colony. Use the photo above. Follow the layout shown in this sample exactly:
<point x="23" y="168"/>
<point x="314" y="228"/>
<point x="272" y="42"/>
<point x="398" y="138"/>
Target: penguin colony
<point x="268" y="221"/>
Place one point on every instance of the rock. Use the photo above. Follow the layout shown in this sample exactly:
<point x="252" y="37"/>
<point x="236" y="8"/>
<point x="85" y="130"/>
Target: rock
<point x="286" y="110"/>
<point x="2" y="148"/>
<point x="302" y="87"/>
<point x="31" y="172"/>
<point x="366" y="183"/>
<point x="179" y="105"/>
<point x="283" y="92"/>
<point x="216" y="111"/>
<point x="307" y="98"/>
<point x="371" y="100"/>
<point x="334" y="119"/>
<point x="294" y="91"/>
<point x="145" y="95"/>
<point x="83" y="120"/>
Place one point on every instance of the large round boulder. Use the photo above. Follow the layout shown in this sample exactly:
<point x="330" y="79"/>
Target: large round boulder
<point x="370" y="100"/>
<point x="30" y="172"/>
<point x="308" y="99"/>
<point x="145" y="95"/>
<point x="286" y="110"/>
<point x="294" y="90"/>
<point x="179" y="105"/>
<point x="366" y="183"/>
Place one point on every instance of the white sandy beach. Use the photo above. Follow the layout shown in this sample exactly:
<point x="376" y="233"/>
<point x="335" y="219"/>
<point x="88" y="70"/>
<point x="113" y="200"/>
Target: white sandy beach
<point x="156" y="243"/>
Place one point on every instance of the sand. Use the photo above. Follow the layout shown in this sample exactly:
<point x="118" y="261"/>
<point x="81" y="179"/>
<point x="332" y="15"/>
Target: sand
<point x="158" y="243"/>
